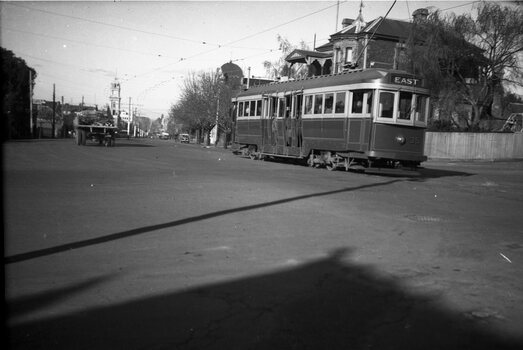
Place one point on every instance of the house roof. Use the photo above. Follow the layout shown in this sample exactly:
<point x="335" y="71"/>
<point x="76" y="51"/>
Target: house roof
<point x="384" y="28"/>
<point x="303" y="56"/>
<point x="381" y="27"/>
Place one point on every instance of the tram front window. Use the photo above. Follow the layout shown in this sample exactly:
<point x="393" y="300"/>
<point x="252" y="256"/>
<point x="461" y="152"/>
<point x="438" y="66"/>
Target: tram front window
<point x="405" y="106"/>
<point x="386" y="105"/>
<point x="421" y="108"/>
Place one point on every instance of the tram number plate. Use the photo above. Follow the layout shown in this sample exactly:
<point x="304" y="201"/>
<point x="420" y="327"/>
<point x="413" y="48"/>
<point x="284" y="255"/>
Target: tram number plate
<point x="414" y="140"/>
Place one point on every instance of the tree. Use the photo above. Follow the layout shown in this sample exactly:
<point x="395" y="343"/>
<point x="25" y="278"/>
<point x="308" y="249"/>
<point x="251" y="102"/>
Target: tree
<point x="15" y="95"/>
<point x="466" y="59"/>
<point x="280" y="67"/>
<point x="199" y="107"/>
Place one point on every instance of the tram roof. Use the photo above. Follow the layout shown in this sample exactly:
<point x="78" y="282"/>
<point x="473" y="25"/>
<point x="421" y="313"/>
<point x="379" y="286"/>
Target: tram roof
<point x="350" y="77"/>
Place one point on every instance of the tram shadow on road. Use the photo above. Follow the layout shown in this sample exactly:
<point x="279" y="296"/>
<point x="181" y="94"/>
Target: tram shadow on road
<point x="328" y="303"/>
<point x="420" y="173"/>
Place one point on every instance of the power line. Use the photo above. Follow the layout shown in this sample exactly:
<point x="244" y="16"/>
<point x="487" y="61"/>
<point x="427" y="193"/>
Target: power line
<point x="202" y="42"/>
<point x="238" y="40"/>
<point x="86" y="43"/>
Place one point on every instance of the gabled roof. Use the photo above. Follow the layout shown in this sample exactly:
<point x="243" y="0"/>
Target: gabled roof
<point x="388" y="29"/>
<point x="304" y="56"/>
<point x="384" y="28"/>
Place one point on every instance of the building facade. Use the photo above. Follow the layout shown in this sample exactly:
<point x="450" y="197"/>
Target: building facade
<point x="379" y="43"/>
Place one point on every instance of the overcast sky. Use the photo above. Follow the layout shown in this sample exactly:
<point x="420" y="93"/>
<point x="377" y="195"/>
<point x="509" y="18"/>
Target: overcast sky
<point x="81" y="46"/>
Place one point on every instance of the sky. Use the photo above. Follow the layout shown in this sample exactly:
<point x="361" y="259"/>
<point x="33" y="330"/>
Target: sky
<point x="80" y="47"/>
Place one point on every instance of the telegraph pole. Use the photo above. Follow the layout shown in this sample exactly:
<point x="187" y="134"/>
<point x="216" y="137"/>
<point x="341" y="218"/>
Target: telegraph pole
<point x="31" y="103"/>
<point x="54" y="112"/>
<point x="129" y="121"/>
<point x="64" y="132"/>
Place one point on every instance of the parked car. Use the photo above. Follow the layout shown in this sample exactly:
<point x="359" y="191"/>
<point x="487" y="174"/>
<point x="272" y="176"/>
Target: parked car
<point x="164" y="136"/>
<point x="184" y="138"/>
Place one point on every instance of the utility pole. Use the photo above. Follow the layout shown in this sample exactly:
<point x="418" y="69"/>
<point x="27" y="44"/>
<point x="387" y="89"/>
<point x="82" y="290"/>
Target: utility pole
<point x="54" y="112"/>
<point x="129" y="121"/>
<point x="337" y="13"/>
<point x="31" y="103"/>
<point x="64" y="132"/>
<point x="217" y="114"/>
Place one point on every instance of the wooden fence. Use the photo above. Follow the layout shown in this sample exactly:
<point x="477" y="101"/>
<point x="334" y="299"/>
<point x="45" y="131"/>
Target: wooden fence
<point x="473" y="146"/>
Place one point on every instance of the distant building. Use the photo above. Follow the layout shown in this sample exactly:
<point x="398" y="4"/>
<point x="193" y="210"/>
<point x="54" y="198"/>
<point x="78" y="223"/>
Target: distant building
<point x="114" y="98"/>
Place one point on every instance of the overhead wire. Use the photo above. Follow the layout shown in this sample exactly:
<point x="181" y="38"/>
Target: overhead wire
<point x="86" y="43"/>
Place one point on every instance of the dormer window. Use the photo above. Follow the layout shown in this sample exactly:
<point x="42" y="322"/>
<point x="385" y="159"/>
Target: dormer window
<point x="348" y="55"/>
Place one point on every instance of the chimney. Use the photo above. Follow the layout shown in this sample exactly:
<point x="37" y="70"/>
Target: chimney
<point x="346" y="22"/>
<point x="420" y="15"/>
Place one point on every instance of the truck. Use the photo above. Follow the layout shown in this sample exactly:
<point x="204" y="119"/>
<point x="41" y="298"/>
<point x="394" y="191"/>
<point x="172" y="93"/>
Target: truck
<point x="95" y="126"/>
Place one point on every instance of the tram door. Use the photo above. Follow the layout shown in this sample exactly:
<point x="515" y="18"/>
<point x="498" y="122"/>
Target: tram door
<point x="285" y="135"/>
<point x="360" y="122"/>
<point x="269" y="123"/>
<point x="296" y="130"/>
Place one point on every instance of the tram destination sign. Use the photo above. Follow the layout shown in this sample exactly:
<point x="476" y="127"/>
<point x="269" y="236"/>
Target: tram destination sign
<point x="405" y="80"/>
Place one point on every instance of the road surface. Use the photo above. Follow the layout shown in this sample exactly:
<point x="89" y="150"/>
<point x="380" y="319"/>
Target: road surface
<point x="154" y="244"/>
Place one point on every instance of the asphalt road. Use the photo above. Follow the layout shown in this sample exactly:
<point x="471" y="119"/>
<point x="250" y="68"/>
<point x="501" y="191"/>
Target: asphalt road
<point x="159" y="245"/>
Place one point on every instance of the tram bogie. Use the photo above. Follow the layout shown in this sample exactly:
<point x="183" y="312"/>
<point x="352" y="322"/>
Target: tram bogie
<point x="351" y="121"/>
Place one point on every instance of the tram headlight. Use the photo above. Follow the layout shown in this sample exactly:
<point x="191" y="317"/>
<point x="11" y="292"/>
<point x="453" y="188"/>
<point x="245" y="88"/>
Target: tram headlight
<point x="400" y="139"/>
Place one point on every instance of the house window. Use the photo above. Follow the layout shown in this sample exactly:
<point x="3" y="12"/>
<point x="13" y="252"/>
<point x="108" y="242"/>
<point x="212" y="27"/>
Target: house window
<point x="348" y="54"/>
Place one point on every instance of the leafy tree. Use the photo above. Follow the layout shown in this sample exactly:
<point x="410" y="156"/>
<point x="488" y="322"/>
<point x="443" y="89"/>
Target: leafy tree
<point x="15" y="95"/>
<point x="203" y="101"/>
<point x="466" y="58"/>
<point x="280" y="67"/>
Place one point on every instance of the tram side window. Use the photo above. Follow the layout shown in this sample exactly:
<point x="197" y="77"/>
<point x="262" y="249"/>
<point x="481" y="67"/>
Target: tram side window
<point x="421" y="108"/>
<point x="357" y="102"/>
<point x="258" y="108"/>
<point x="240" y="109"/>
<point x="329" y="101"/>
<point x="318" y="104"/>
<point x="340" y="103"/>
<point x="281" y="108"/>
<point x="369" y="101"/>
<point x="252" y="108"/>
<point x="265" y="104"/>
<point x="246" y="109"/>
<point x="386" y="105"/>
<point x="405" y="106"/>
<point x="308" y="104"/>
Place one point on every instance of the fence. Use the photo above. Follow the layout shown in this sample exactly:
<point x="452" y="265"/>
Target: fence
<point x="473" y="146"/>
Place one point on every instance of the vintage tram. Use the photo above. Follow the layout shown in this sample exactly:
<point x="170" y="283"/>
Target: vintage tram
<point x="373" y="118"/>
